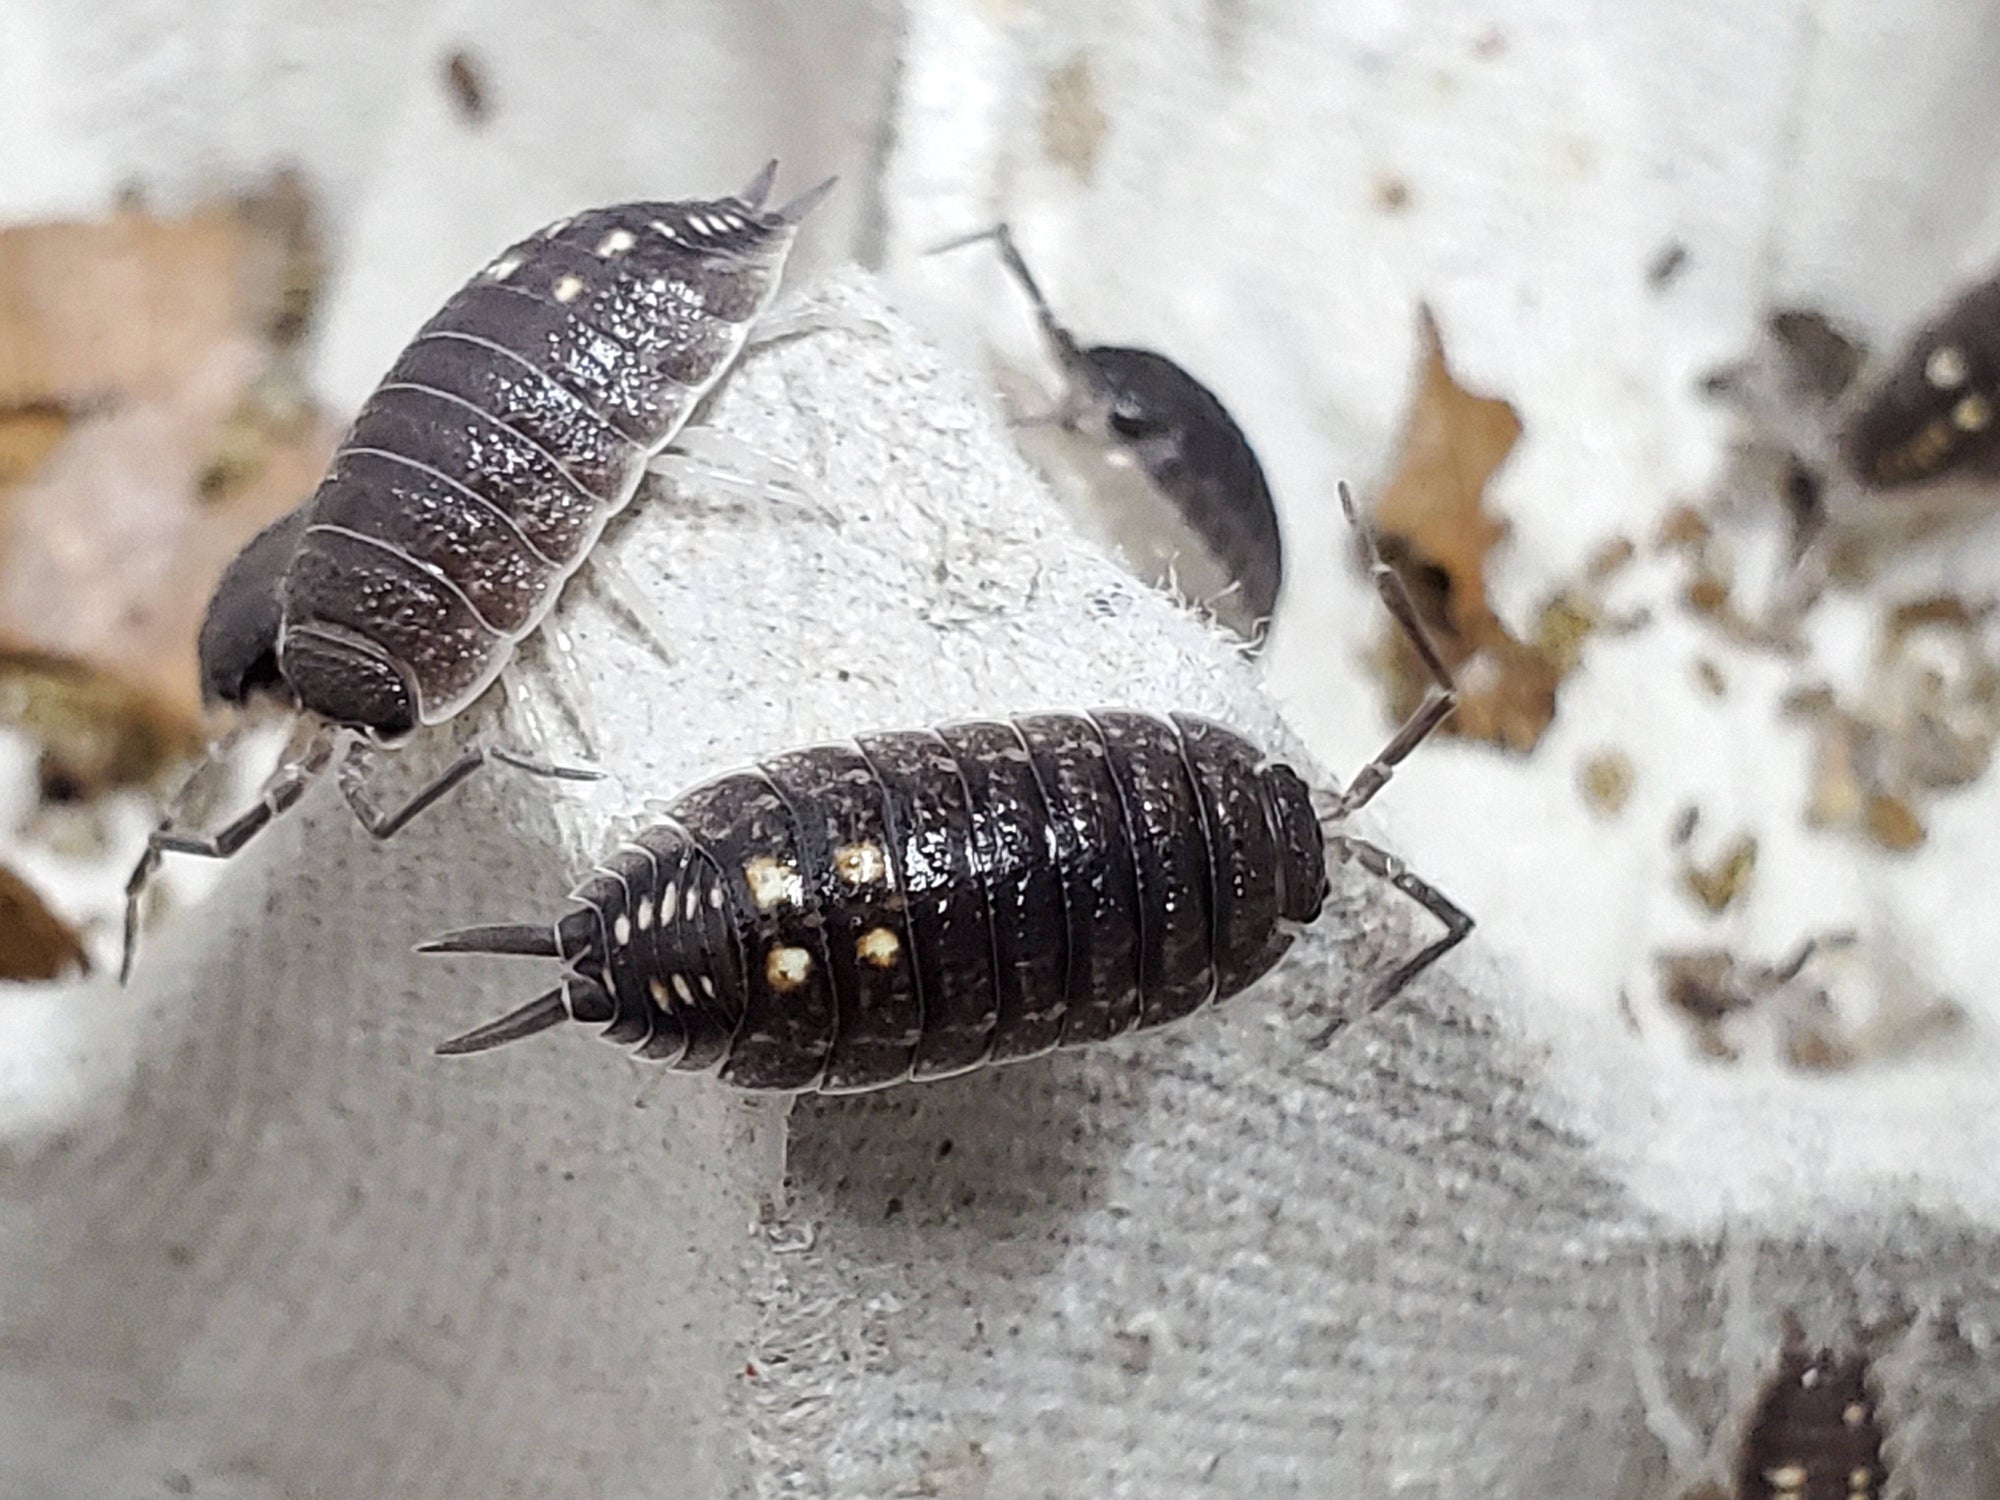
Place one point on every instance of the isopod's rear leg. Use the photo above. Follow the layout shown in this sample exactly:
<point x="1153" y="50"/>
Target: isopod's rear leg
<point x="1380" y="862"/>
<point x="306" y="756"/>
<point x="705" y="458"/>
<point x="1084" y="387"/>
<point x="1438" y="702"/>
<point x="352" y="777"/>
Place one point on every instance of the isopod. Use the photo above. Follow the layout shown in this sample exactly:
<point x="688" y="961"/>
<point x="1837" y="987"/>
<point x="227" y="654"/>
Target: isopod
<point x="1932" y="412"/>
<point x="1178" y="432"/>
<point x="917" y="904"/>
<point x="473" y="484"/>
<point x="1814" y="1431"/>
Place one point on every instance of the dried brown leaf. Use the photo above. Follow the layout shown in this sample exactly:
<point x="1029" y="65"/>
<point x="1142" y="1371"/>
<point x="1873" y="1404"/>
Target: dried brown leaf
<point x="1435" y="530"/>
<point x="28" y="435"/>
<point x="1607" y="779"/>
<point x="95" y="730"/>
<point x="172" y="340"/>
<point x="34" y="942"/>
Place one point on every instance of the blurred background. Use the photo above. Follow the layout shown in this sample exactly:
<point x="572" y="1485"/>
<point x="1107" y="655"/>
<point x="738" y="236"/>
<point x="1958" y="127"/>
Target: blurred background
<point x="1577" y="296"/>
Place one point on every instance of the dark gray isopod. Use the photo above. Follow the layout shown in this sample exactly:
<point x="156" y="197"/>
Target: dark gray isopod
<point x="1177" y="431"/>
<point x="1933" y="412"/>
<point x="914" y="905"/>
<point x="1815" y="1433"/>
<point x="474" y="482"/>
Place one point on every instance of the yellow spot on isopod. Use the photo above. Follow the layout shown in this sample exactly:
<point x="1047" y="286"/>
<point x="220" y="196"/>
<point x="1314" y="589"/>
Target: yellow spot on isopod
<point x="1973" y="413"/>
<point x="1859" y="1480"/>
<point x="773" y="882"/>
<point x="659" y="993"/>
<point x="860" y="864"/>
<point x="617" y="242"/>
<point x="1854" y="1414"/>
<point x="1946" y="368"/>
<point x="569" y="288"/>
<point x="787" y="968"/>
<point x="878" y="946"/>
<point x="1789" y="1479"/>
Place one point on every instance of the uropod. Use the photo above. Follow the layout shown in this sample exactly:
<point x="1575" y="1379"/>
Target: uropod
<point x="917" y="904"/>
<point x="472" y="485"/>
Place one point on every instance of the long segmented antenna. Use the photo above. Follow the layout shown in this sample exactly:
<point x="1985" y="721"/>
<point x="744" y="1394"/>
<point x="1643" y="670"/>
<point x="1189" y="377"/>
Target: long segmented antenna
<point x="537" y="1015"/>
<point x="1068" y="351"/>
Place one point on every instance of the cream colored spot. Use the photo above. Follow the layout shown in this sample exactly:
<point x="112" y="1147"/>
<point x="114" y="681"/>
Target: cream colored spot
<point x="860" y="864"/>
<point x="555" y="229"/>
<point x="617" y="242"/>
<point x="1946" y="368"/>
<point x="707" y="985"/>
<point x="504" y="267"/>
<point x="878" y="946"/>
<point x="787" y="968"/>
<point x="1973" y="413"/>
<point x="667" y="899"/>
<point x="773" y="882"/>
<point x="681" y="989"/>
<point x="1859" y="1480"/>
<point x="666" y="229"/>
<point x="714" y="899"/>
<point x="1791" y="1478"/>
<point x="568" y="288"/>
<point x="622" y="929"/>
<point x="659" y="993"/>
<point x="645" y="912"/>
<point x="1854" y="1414"/>
<point x="693" y="896"/>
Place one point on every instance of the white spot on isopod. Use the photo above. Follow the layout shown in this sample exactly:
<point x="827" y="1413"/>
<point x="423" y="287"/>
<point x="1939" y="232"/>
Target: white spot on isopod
<point x="860" y="864"/>
<point x="617" y="242"/>
<point x="714" y="899"/>
<point x="1973" y="413"/>
<point x="659" y="993"/>
<point x="556" y="228"/>
<point x="878" y="946"/>
<point x="504" y="267"/>
<point x="1946" y="368"/>
<point x="707" y="986"/>
<point x="773" y="882"/>
<point x="787" y="968"/>
<point x="667" y="899"/>
<point x="666" y="229"/>
<point x="681" y="989"/>
<point x="645" y="912"/>
<point x="687" y="911"/>
<point x="568" y="288"/>
<point x="622" y="929"/>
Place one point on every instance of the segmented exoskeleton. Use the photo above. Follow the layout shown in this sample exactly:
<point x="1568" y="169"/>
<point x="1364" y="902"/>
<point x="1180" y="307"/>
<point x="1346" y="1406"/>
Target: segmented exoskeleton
<point x="1177" y="430"/>
<point x="474" y="483"/>
<point x="913" y="905"/>
<point x="1933" y="412"/>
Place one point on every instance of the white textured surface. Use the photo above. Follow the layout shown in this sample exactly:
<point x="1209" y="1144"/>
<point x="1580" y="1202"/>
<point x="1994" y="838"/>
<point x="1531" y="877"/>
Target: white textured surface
<point x="306" y="1258"/>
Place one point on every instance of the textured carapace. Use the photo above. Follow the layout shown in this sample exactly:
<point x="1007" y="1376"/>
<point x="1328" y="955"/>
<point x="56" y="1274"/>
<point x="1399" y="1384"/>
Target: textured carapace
<point x="474" y="483"/>
<point x="913" y="905"/>
<point x="1933" y="412"/>
<point x="1176" y="429"/>
<point x="519" y="420"/>
<point x="1815" y="1433"/>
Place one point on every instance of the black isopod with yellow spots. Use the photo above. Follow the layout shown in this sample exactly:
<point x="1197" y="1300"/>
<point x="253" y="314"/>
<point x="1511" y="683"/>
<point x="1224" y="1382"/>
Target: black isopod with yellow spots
<point x="917" y="904"/>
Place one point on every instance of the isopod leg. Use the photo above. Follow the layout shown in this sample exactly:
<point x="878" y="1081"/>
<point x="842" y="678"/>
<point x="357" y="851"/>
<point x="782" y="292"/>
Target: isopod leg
<point x="622" y="589"/>
<point x="1381" y="863"/>
<point x="1437" y="704"/>
<point x="306" y="756"/>
<point x="353" y="784"/>
<point x="703" y="458"/>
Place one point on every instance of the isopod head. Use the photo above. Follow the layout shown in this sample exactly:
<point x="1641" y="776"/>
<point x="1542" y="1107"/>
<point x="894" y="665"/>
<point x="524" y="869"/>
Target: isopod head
<point x="238" y="646"/>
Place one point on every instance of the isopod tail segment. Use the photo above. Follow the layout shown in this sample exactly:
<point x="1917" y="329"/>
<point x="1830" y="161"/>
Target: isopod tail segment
<point x="1335" y="809"/>
<point x="307" y="754"/>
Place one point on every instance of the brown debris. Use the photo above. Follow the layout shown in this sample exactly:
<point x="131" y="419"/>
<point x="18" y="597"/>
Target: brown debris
<point x="1607" y="779"/>
<point x="34" y="942"/>
<point x="1074" y="124"/>
<point x="167" y="345"/>
<point x="1436" y="532"/>
<point x="1717" y="885"/>
<point x="96" y="731"/>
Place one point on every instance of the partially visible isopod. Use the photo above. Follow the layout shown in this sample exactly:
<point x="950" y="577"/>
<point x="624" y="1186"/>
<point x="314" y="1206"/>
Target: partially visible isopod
<point x="1814" y="1432"/>
<point x="1932" y="412"/>
<point x="474" y="482"/>
<point x="914" y="905"/>
<point x="1177" y="431"/>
